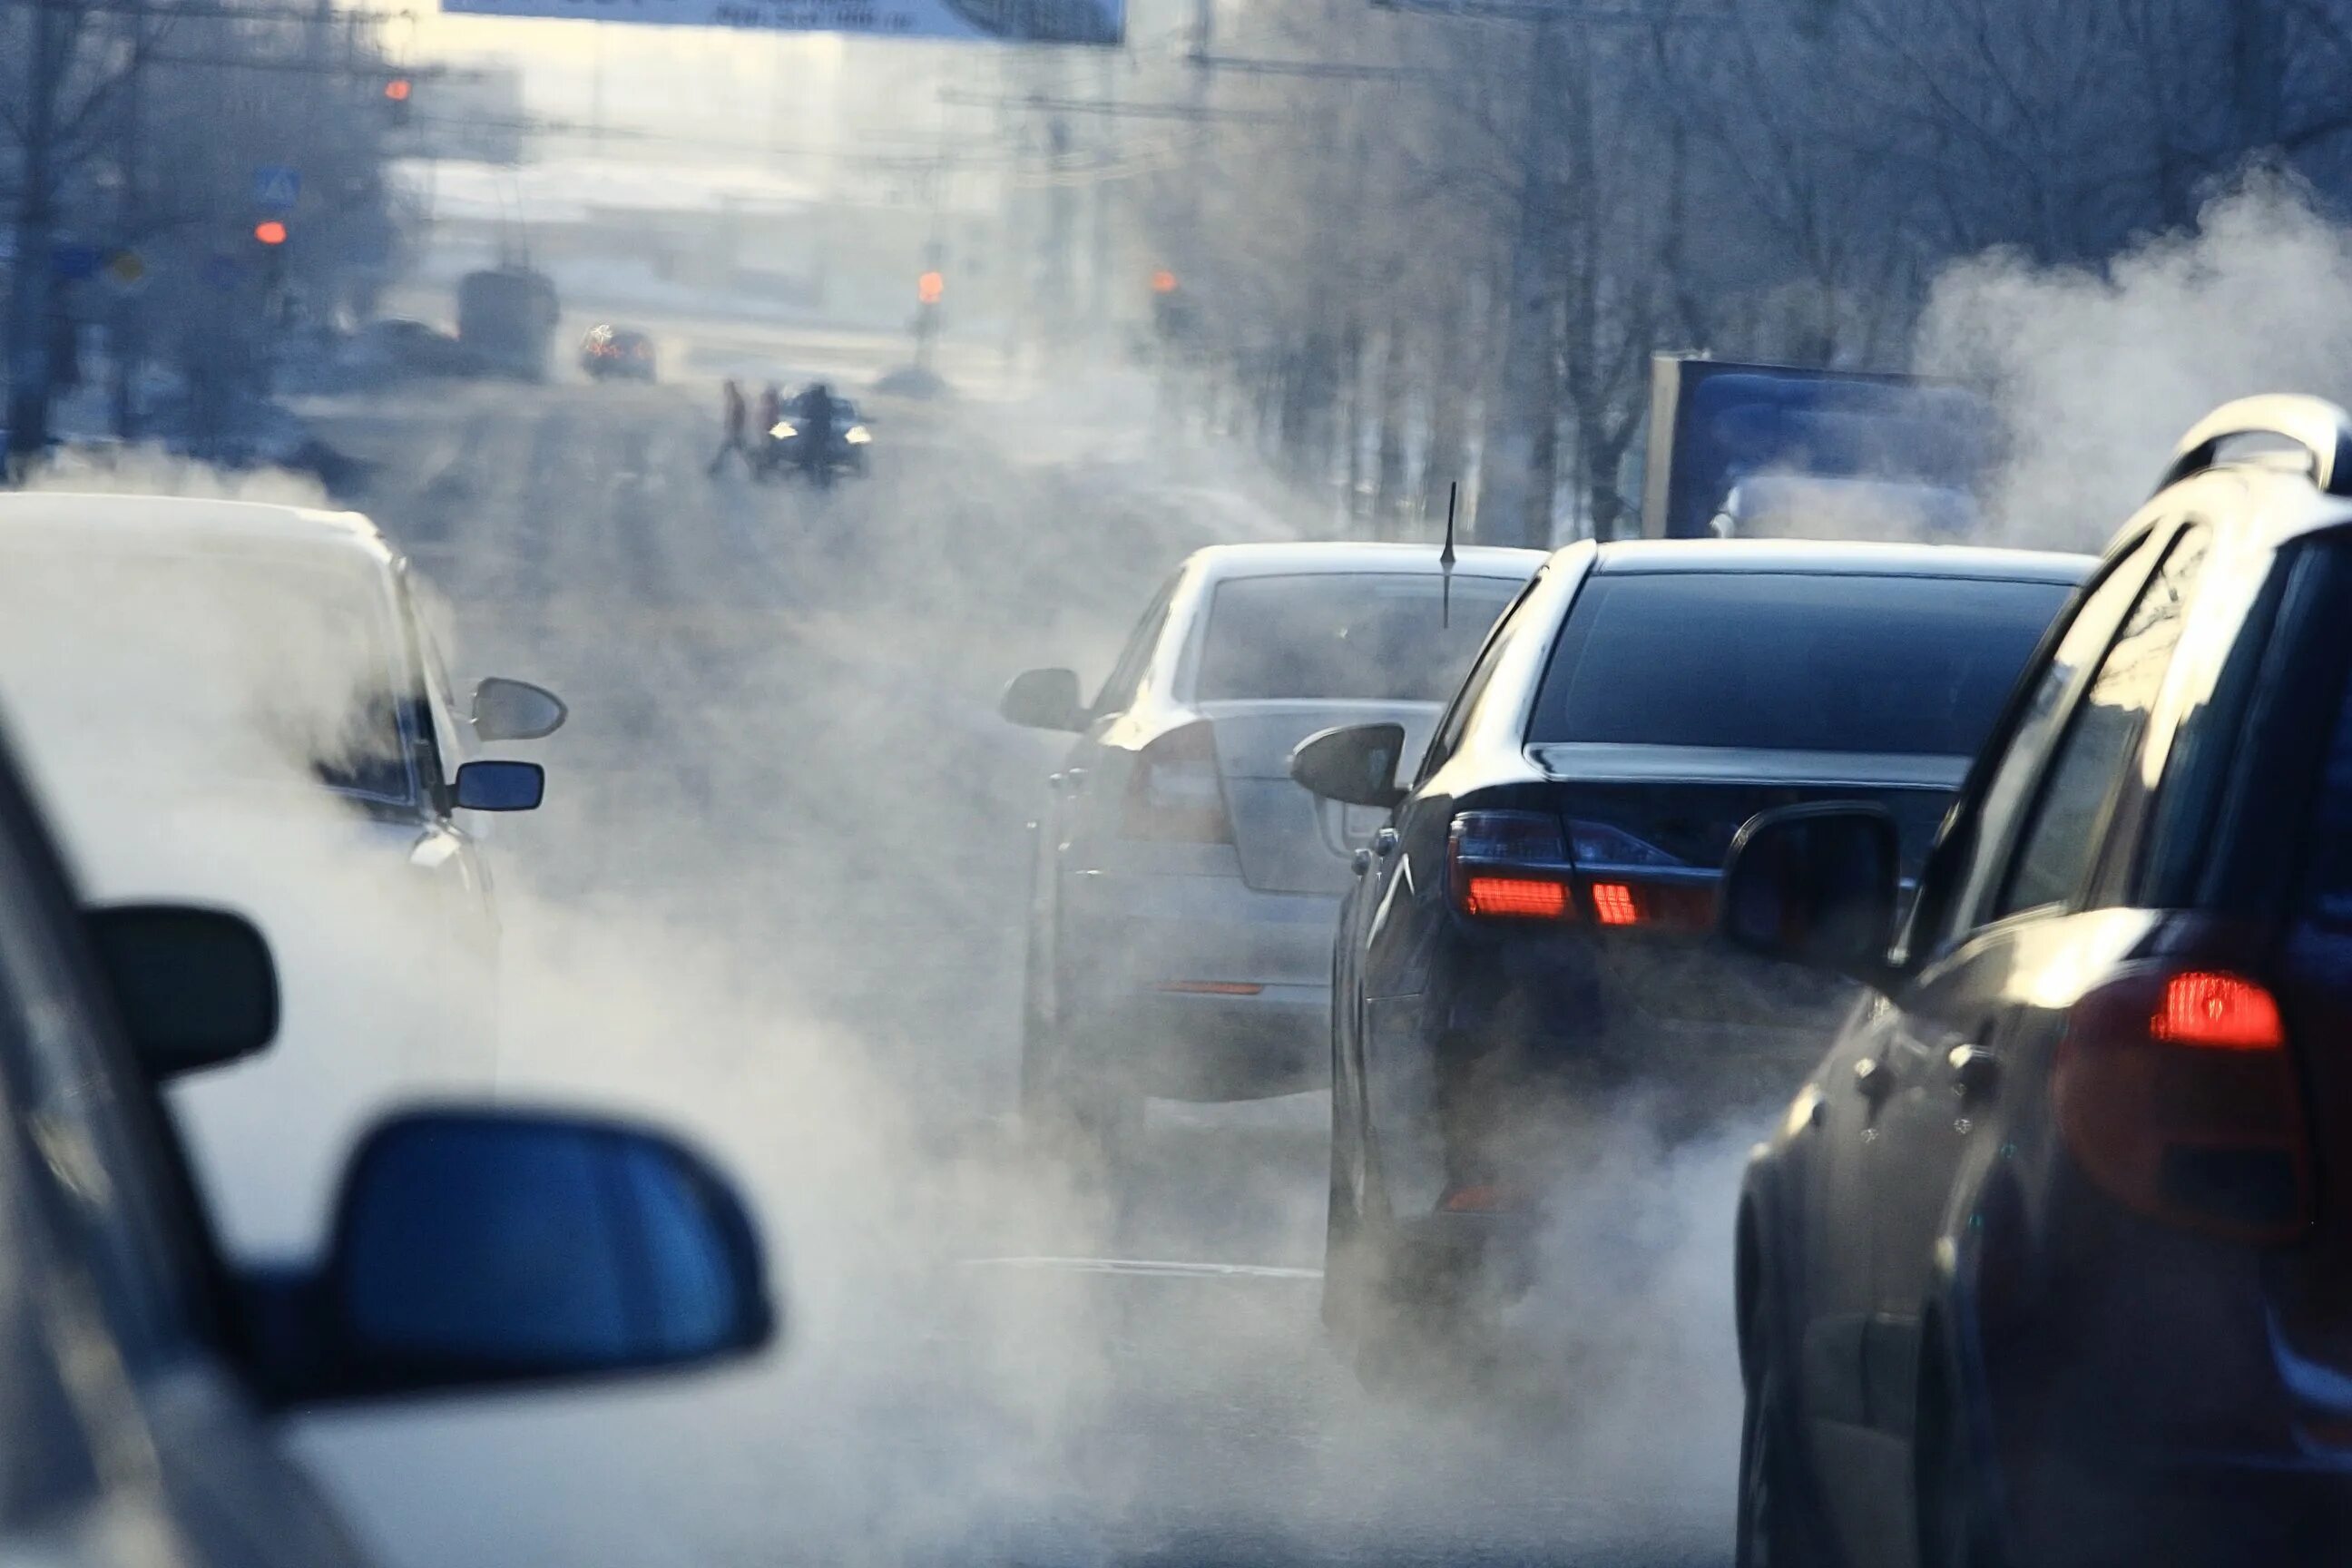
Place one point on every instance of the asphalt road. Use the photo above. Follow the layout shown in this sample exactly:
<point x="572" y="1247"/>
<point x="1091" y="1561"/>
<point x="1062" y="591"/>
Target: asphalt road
<point x="775" y="896"/>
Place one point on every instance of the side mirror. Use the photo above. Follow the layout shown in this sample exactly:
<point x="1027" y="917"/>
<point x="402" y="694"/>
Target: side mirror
<point x="501" y="787"/>
<point x="516" y="710"/>
<point x="195" y="988"/>
<point x="478" y="1248"/>
<point x="1044" y="699"/>
<point x="1355" y="763"/>
<point x="1816" y="885"/>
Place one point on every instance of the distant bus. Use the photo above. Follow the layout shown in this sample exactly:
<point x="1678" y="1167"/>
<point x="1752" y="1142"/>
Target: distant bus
<point x="507" y="316"/>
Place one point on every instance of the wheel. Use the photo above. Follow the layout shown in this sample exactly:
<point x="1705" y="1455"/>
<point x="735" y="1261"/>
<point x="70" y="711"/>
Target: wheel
<point x="1777" y="1522"/>
<point x="1951" y="1503"/>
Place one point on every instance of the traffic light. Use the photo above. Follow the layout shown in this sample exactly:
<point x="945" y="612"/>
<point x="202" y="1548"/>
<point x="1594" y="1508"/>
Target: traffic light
<point x="1163" y="282"/>
<point x="397" y="93"/>
<point x="929" y="288"/>
<point x="269" y="232"/>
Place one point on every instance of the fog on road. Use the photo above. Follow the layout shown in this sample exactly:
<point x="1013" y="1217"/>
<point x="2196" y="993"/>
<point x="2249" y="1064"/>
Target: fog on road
<point x="776" y="894"/>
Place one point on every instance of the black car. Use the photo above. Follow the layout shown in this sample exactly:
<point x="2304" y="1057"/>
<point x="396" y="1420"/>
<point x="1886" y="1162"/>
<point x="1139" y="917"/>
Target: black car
<point x="146" y="1377"/>
<point x="1532" y="935"/>
<point x="2050" y="1260"/>
<point x="608" y="352"/>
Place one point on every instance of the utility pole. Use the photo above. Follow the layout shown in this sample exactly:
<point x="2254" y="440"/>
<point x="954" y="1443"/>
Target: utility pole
<point x="1514" y="500"/>
<point x="126" y="340"/>
<point x="1098" y="307"/>
<point x="32" y="275"/>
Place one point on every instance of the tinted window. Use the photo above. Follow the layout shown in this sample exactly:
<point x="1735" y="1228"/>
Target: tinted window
<point x="1373" y="637"/>
<point x="2061" y="840"/>
<point x="1126" y="675"/>
<point x="1779" y="661"/>
<point x="1474" y="685"/>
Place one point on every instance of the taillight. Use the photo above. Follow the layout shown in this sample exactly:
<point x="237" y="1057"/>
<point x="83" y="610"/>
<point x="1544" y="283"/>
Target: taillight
<point x="2178" y="1094"/>
<point x="1176" y="792"/>
<point x="1509" y="865"/>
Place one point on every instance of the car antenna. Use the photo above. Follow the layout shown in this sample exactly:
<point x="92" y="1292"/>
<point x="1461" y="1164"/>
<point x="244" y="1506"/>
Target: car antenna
<point x="1445" y="558"/>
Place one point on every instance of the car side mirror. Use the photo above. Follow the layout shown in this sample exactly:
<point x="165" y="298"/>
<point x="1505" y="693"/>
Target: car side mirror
<point x="501" y="785"/>
<point x="508" y="710"/>
<point x="1816" y="885"/>
<point x="475" y="1247"/>
<point x="1044" y="699"/>
<point x="195" y="988"/>
<point x="1355" y="763"/>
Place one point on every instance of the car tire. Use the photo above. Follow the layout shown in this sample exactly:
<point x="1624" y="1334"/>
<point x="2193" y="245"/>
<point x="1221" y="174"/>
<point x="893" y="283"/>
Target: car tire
<point x="1779" y="1524"/>
<point x="1949" y="1499"/>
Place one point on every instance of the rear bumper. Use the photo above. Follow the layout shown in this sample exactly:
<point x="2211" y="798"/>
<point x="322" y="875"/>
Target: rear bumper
<point x="1199" y="987"/>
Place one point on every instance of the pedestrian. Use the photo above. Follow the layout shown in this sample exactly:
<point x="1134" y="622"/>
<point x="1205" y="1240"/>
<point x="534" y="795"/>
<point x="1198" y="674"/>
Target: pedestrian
<point x="732" y="440"/>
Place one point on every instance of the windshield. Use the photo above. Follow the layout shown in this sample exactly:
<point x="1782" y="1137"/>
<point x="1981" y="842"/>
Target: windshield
<point x="1362" y="637"/>
<point x="196" y="672"/>
<point x="1777" y="661"/>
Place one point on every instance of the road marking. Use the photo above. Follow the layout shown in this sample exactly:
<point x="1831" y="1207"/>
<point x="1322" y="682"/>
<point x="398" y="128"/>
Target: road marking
<point x="1149" y="1268"/>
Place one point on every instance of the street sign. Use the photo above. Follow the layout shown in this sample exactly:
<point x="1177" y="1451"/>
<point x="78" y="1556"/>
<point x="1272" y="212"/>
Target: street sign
<point x="1100" y="22"/>
<point x="277" y="187"/>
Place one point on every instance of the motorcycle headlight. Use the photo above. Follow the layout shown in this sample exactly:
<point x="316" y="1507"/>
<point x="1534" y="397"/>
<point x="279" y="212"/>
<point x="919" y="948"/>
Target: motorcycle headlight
<point x="857" y="436"/>
<point x="783" y="430"/>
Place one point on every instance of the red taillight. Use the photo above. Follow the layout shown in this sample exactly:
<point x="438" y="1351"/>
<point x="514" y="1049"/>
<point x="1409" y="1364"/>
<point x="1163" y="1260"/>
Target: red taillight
<point x="2176" y="1094"/>
<point x="1509" y="865"/>
<point x="1176" y="792"/>
<point x="1520" y="898"/>
<point x="2219" y="1012"/>
<point x="1613" y="904"/>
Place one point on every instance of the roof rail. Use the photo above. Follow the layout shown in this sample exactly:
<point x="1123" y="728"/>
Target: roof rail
<point x="2321" y="429"/>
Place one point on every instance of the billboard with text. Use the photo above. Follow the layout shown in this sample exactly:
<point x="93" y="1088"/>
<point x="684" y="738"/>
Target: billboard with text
<point x="999" y="21"/>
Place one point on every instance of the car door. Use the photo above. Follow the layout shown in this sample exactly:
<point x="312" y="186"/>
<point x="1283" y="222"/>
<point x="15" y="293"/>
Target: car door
<point x="1070" y="807"/>
<point x="129" y="1437"/>
<point x="1401" y="919"/>
<point x="2050" y="811"/>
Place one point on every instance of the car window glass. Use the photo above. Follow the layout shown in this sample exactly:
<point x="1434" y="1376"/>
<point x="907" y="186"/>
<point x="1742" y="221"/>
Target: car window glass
<point x="1126" y="675"/>
<point x="2063" y="837"/>
<point x="1957" y="883"/>
<point x="1450" y="726"/>
<point x="1361" y="637"/>
<point x="71" y="1100"/>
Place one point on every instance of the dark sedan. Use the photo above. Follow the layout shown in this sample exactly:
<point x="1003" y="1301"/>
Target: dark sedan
<point x="1532" y="935"/>
<point x="2050" y="1261"/>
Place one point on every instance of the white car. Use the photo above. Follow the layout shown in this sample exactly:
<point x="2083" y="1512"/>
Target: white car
<point x="240" y="705"/>
<point x="1185" y="888"/>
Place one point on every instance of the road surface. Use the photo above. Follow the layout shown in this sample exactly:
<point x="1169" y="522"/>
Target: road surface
<point x="775" y="894"/>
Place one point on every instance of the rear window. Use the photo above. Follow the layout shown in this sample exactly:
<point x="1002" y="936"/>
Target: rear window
<point x="1370" y="636"/>
<point x="1784" y="662"/>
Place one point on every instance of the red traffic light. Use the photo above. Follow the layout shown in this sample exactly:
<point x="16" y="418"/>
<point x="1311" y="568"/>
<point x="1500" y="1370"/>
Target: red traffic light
<point x="1163" y="281"/>
<point x="269" y="232"/>
<point x="929" y="288"/>
<point x="398" y="89"/>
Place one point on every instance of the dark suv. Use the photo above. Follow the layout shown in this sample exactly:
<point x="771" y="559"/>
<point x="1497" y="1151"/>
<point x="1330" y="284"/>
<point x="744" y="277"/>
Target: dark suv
<point x="2050" y="1261"/>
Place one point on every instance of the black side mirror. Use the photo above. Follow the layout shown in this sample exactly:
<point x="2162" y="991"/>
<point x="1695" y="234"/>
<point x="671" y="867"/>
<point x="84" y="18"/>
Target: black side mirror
<point x="1355" y="763"/>
<point x="195" y="988"/>
<point x="1044" y="699"/>
<point x="501" y="785"/>
<point x="508" y="710"/>
<point x="481" y="1247"/>
<point x="1816" y="885"/>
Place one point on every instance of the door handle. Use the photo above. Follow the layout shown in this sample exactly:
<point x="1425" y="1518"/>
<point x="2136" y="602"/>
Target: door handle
<point x="1872" y="1080"/>
<point x="1363" y="861"/>
<point x="1384" y="842"/>
<point x="1974" y="1070"/>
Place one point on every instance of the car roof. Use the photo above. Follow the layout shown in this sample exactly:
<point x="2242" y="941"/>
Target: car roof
<point x="136" y="522"/>
<point x="1822" y="557"/>
<point x="1328" y="556"/>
